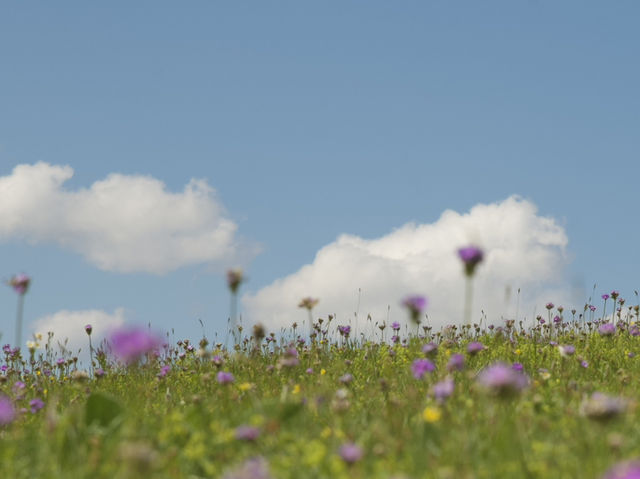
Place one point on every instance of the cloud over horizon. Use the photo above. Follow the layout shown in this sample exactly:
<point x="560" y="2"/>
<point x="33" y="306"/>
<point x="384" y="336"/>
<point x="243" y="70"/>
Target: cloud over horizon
<point x="522" y="250"/>
<point x="123" y="223"/>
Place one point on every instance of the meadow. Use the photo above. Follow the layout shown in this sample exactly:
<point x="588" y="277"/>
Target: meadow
<point x="556" y="400"/>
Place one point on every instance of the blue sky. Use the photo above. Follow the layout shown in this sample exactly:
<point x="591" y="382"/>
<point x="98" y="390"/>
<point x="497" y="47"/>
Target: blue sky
<point x="313" y="120"/>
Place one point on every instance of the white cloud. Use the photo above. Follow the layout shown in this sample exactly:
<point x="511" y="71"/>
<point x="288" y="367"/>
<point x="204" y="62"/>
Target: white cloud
<point x="122" y="223"/>
<point x="523" y="250"/>
<point x="69" y="326"/>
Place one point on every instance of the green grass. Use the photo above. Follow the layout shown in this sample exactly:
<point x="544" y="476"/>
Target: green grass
<point x="131" y="423"/>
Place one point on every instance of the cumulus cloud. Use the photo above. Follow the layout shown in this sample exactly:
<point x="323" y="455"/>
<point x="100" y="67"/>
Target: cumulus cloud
<point x="123" y="223"/>
<point x="68" y="327"/>
<point x="523" y="250"/>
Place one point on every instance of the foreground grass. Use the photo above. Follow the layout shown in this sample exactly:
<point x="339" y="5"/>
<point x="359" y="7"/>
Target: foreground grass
<point x="297" y="413"/>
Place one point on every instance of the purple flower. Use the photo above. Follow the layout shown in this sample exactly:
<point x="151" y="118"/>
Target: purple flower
<point x="20" y="283"/>
<point x="607" y="329"/>
<point x="255" y="468"/>
<point x="164" y="370"/>
<point x="420" y="367"/>
<point x="351" y="453"/>
<point x="557" y="319"/>
<point x="443" y="389"/>
<point x="395" y="326"/>
<point x="129" y="344"/>
<point x="36" y="404"/>
<point x="344" y="331"/>
<point x="584" y="364"/>
<point x="99" y="372"/>
<point x="415" y="305"/>
<point x="592" y="308"/>
<point x="615" y="294"/>
<point x="624" y="470"/>
<point x="224" y="377"/>
<point x="234" y="279"/>
<point x="517" y="367"/>
<point x="7" y="411"/>
<point x="456" y="362"/>
<point x="605" y="296"/>
<point x="309" y="371"/>
<point x="502" y="379"/>
<point x="567" y="350"/>
<point x="345" y="378"/>
<point x="430" y="349"/>
<point x="471" y="256"/>
<point x="474" y="348"/>
<point x="549" y="306"/>
<point x="247" y="433"/>
<point x="88" y="328"/>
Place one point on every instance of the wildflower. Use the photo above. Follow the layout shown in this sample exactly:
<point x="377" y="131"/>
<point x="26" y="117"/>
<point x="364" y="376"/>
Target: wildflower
<point x="471" y="256"/>
<point x="247" y="433"/>
<point x="517" y="367"/>
<point x="132" y="343"/>
<point x="351" y="453"/>
<point x="309" y="371"/>
<point x="584" y="364"/>
<point x="99" y="372"/>
<point x="431" y="414"/>
<point x="549" y="306"/>
<point x="164" y="370"/>
<point x="255" y="468"/>
<point x="443" y="389"/>
<point x="420" y="367"/>
<point x="430" y="349"/>
<point x="415" y="305"/>
<point x="607" y="329"/>
<point x="308" y="303"/>
<point x="7" y="412"/>
<point x="344" y="331"/>
<point x="346" y="378"/>
<point x="602" y="407"/>
<point x="456" y="362"/>
<point x="615" y="294"/>
<point x="502" y="379"/>
<point x="234" y="279"/>
<point x="395" y="326"/>
<point x="474" y="348"/>
<point x="36" y="404"/>
<point x="557" y="319"/>
<point x="566" y="350"/>
<point x="224" y="377"/>
<point x="624" y="470"/>
<point x="20" y="283"/>
<point x="88" y="329"/>
<point x="605" y="296"/>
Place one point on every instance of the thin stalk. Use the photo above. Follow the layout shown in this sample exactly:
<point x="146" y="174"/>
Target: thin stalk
<point x="19" y="320"/>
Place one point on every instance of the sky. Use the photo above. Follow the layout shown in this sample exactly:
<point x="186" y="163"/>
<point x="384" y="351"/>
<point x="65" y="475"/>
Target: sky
<point x="338" y="150"/>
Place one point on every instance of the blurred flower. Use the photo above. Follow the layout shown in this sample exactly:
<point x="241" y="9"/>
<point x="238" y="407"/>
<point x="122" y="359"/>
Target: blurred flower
<point x="474" y="348"/>
<point x="517" y="367"/>
<point x="36" y="404"/>
<point x="164" y="370"/>
<point x="602" y="407"/>
<point x="224" y="377"/>
<point x="607" y="329"/>
<point x="247" y="433"/>
<point x="346" y="378"/>
<point x="308" y="303"/>
<point x="430" y="349"/>
<point x="88" y="328"/>
<point x="471" y="256"/>
<point x="443" y="389"/>
<point x="431" y="414"/>
<point x="584" y="364"/>
<point x="420" y="367"/>
<point x="624" y="470"/>
<point x="615" y="294"/>
<point x="502" y="379"/>
<point x="415" y="305"/>
<point x="129" y="344"/>
<point x="395" y="326"/>
<point x="605" y="296"/>
<point x="344" y="331"/>
<point x="234" y="279"/>
<point x="255" y="468"/>
<point x="549" y="306"/>
<point x="566" y="350"/>
<point x="456" y="362"/>
<point x="7" y="412"/>
<point x="351" y="453"/>
<point x="20" y="283"/>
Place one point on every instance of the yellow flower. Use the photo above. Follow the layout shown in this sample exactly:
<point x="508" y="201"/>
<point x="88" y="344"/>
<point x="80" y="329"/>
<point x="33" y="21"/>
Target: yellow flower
<point x="326" y="432"/>
<point x="518" y="352"/>
<point x="323" y="372"/>
<point x="245" y="386"/>
<point x="431" y="414"/>
<point x="296" y="389"/>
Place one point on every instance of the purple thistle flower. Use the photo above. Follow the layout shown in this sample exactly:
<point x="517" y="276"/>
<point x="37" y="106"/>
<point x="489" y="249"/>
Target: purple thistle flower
<point x="351" y="453"/>
<point x="7" y="411"/>
<point x="224" y="377"/>
<point x="420" y="367"/>
<point x="607" y="329"/>
<point x="255" y="468"/>
<point x="502" y="379"/>
<point x="602" y="407"/>
<point x="474" y="348"/>
<point x="567" y="350"/>
<point x="415" y="305"/>
<point x="247" y="433"/>
<point x="456" y="362"/>
<point x="129" y="344"/>
<point x="549" y="306"/>
<point x="344" y="331"/>
<point x="605" y="296"/>
<point x="88" y="329"/>
<point x="395" y="326"/>
<point x="20" y="283"/>
<point x="164" y="370"/>
<point x="557" y="319"/>
<point x="345" y="378"/>
<point x="430" y="349"/>
<point x="471" y="256"/>
<point x="592" y="308"/>
<point x="443" y="389"/>
<point x="36" y="404"/>
<point x="624" y="470"/>
<point x="584" y="363"/>
<point x="615" y="294"/>
<point x="517" y="367"/>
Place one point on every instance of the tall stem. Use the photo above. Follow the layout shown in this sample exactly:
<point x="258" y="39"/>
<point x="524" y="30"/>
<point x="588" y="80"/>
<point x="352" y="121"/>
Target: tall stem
<point x="19" y="320"/>
<point x="468" y="297"/>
